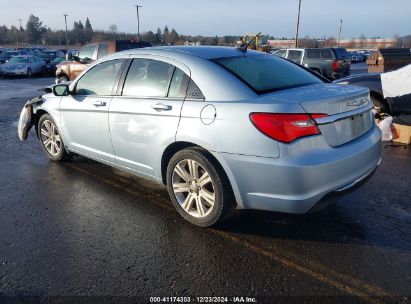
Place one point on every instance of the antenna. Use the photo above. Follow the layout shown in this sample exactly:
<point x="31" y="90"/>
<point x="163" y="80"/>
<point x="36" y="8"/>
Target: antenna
<point x="245" y="46"/>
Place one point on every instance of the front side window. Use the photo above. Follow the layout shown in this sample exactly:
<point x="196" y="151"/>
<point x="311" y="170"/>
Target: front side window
<point x="148" y="78"/>
<point x="265" y="73"/>
<point x="100" y="80"/>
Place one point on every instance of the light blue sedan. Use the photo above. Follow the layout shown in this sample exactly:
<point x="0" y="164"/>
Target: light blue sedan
<point x="25" y="65"/>
<point x="222" y="128"/>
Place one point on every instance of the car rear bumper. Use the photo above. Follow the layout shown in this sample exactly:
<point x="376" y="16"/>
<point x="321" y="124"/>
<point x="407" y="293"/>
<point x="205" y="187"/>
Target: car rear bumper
<point x="296" y="184"/>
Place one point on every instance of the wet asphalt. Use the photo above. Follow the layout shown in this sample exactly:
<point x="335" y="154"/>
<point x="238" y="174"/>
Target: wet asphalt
<point x="84" y="229"/>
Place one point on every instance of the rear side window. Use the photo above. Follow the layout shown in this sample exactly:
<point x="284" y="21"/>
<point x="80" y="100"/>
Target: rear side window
<point x="281" y="53"/>
<point x="265" y="73"/>
<point x="326" y="54"/>
<point x="294" y="55"/>
<point x="148" y="78"/>
<point x="87" y="52"/>
<point x="178" y="85"/>
<point x="341" y="53"/>
<point x="313" y="54"/>
<point x="103" y="50"/>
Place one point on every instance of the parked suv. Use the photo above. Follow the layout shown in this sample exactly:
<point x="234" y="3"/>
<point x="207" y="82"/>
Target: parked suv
<point x="331" y="63"/>
<point x="70" y="69"/>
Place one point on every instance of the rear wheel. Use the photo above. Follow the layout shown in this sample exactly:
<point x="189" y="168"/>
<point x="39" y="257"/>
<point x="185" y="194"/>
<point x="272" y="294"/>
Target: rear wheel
<point x="198" y="187"/>
<point x="50" y="139"/>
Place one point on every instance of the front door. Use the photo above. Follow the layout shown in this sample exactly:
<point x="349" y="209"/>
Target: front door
<point x="84" y="113"/>
<point x="144" y="119"/>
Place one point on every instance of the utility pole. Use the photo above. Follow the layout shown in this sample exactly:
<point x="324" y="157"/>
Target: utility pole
<point x="138" y="21"/>
<point x="65" y="20"/>
<point x="298" y="23"/>
<point x="19" y="32"/>
<point x="339" y="35"/>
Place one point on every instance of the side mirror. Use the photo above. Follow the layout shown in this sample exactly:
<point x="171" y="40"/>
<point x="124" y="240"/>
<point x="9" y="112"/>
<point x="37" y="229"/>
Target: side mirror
<point x="61" y="90"/>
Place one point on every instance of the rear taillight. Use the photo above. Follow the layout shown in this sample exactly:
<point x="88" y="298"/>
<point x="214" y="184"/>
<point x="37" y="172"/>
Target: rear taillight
<point x="335" y="66"/>
<point x="286" y="127"/>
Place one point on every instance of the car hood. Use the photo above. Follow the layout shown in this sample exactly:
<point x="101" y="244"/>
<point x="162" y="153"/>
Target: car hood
<point x="65" y="63"/>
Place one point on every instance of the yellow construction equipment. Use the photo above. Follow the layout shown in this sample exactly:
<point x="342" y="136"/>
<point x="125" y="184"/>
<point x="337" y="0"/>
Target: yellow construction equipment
<point x="256" y="42"/>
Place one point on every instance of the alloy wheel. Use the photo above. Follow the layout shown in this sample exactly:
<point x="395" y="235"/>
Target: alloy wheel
<point x="193" y="188"/>
<point x="50" y="137"/>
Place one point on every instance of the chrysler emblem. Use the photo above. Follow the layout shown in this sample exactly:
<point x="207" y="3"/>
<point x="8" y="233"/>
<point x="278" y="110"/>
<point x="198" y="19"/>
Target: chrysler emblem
<point x="358" y="102"/>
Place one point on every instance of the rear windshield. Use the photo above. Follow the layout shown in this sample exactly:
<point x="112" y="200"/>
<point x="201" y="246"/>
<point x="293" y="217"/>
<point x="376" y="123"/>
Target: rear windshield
<point x="265" y="73"/>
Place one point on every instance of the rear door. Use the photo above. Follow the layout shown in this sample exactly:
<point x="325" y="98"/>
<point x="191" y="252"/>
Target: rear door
<point x="84" y="113"/>
<point x="144" y="119"/>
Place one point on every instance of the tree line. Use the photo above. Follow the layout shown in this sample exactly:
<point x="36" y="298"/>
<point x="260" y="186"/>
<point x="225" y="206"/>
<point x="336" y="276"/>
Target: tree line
<point x="35" y="32"/>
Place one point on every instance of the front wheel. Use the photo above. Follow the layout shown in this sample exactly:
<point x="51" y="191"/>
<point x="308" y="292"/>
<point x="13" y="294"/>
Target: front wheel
<point x="198" y="187"/>
<point x="50" y="139"/>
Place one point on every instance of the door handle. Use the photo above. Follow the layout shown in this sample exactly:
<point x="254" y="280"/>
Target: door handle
<point x="161" y="107"/>
<point x="99" y="103"/>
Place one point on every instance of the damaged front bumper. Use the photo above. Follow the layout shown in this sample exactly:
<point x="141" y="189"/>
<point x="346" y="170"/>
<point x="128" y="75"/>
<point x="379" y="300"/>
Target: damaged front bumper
<point x="26" y="119"/>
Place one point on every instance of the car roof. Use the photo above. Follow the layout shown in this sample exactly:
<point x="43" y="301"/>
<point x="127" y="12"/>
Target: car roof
<point x="205" y="52"/>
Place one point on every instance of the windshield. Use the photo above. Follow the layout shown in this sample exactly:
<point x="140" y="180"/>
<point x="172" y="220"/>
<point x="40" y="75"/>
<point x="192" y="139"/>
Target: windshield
<point x="18" y="60"/>
<point x="59" y="59"/>
<point x="265" y="73"/>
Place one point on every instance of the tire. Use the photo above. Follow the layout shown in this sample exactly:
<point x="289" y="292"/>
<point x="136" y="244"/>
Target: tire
<point x="29" y="74"/>
<point x="199" y="188"/>
<point x="62" y="79"/>
<point x="50" y="139"/>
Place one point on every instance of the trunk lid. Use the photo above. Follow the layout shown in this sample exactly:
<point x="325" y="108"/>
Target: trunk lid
<point x="348" y="109"/>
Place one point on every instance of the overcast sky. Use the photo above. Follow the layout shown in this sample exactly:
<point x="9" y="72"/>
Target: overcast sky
<point x="223" y="17"/>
